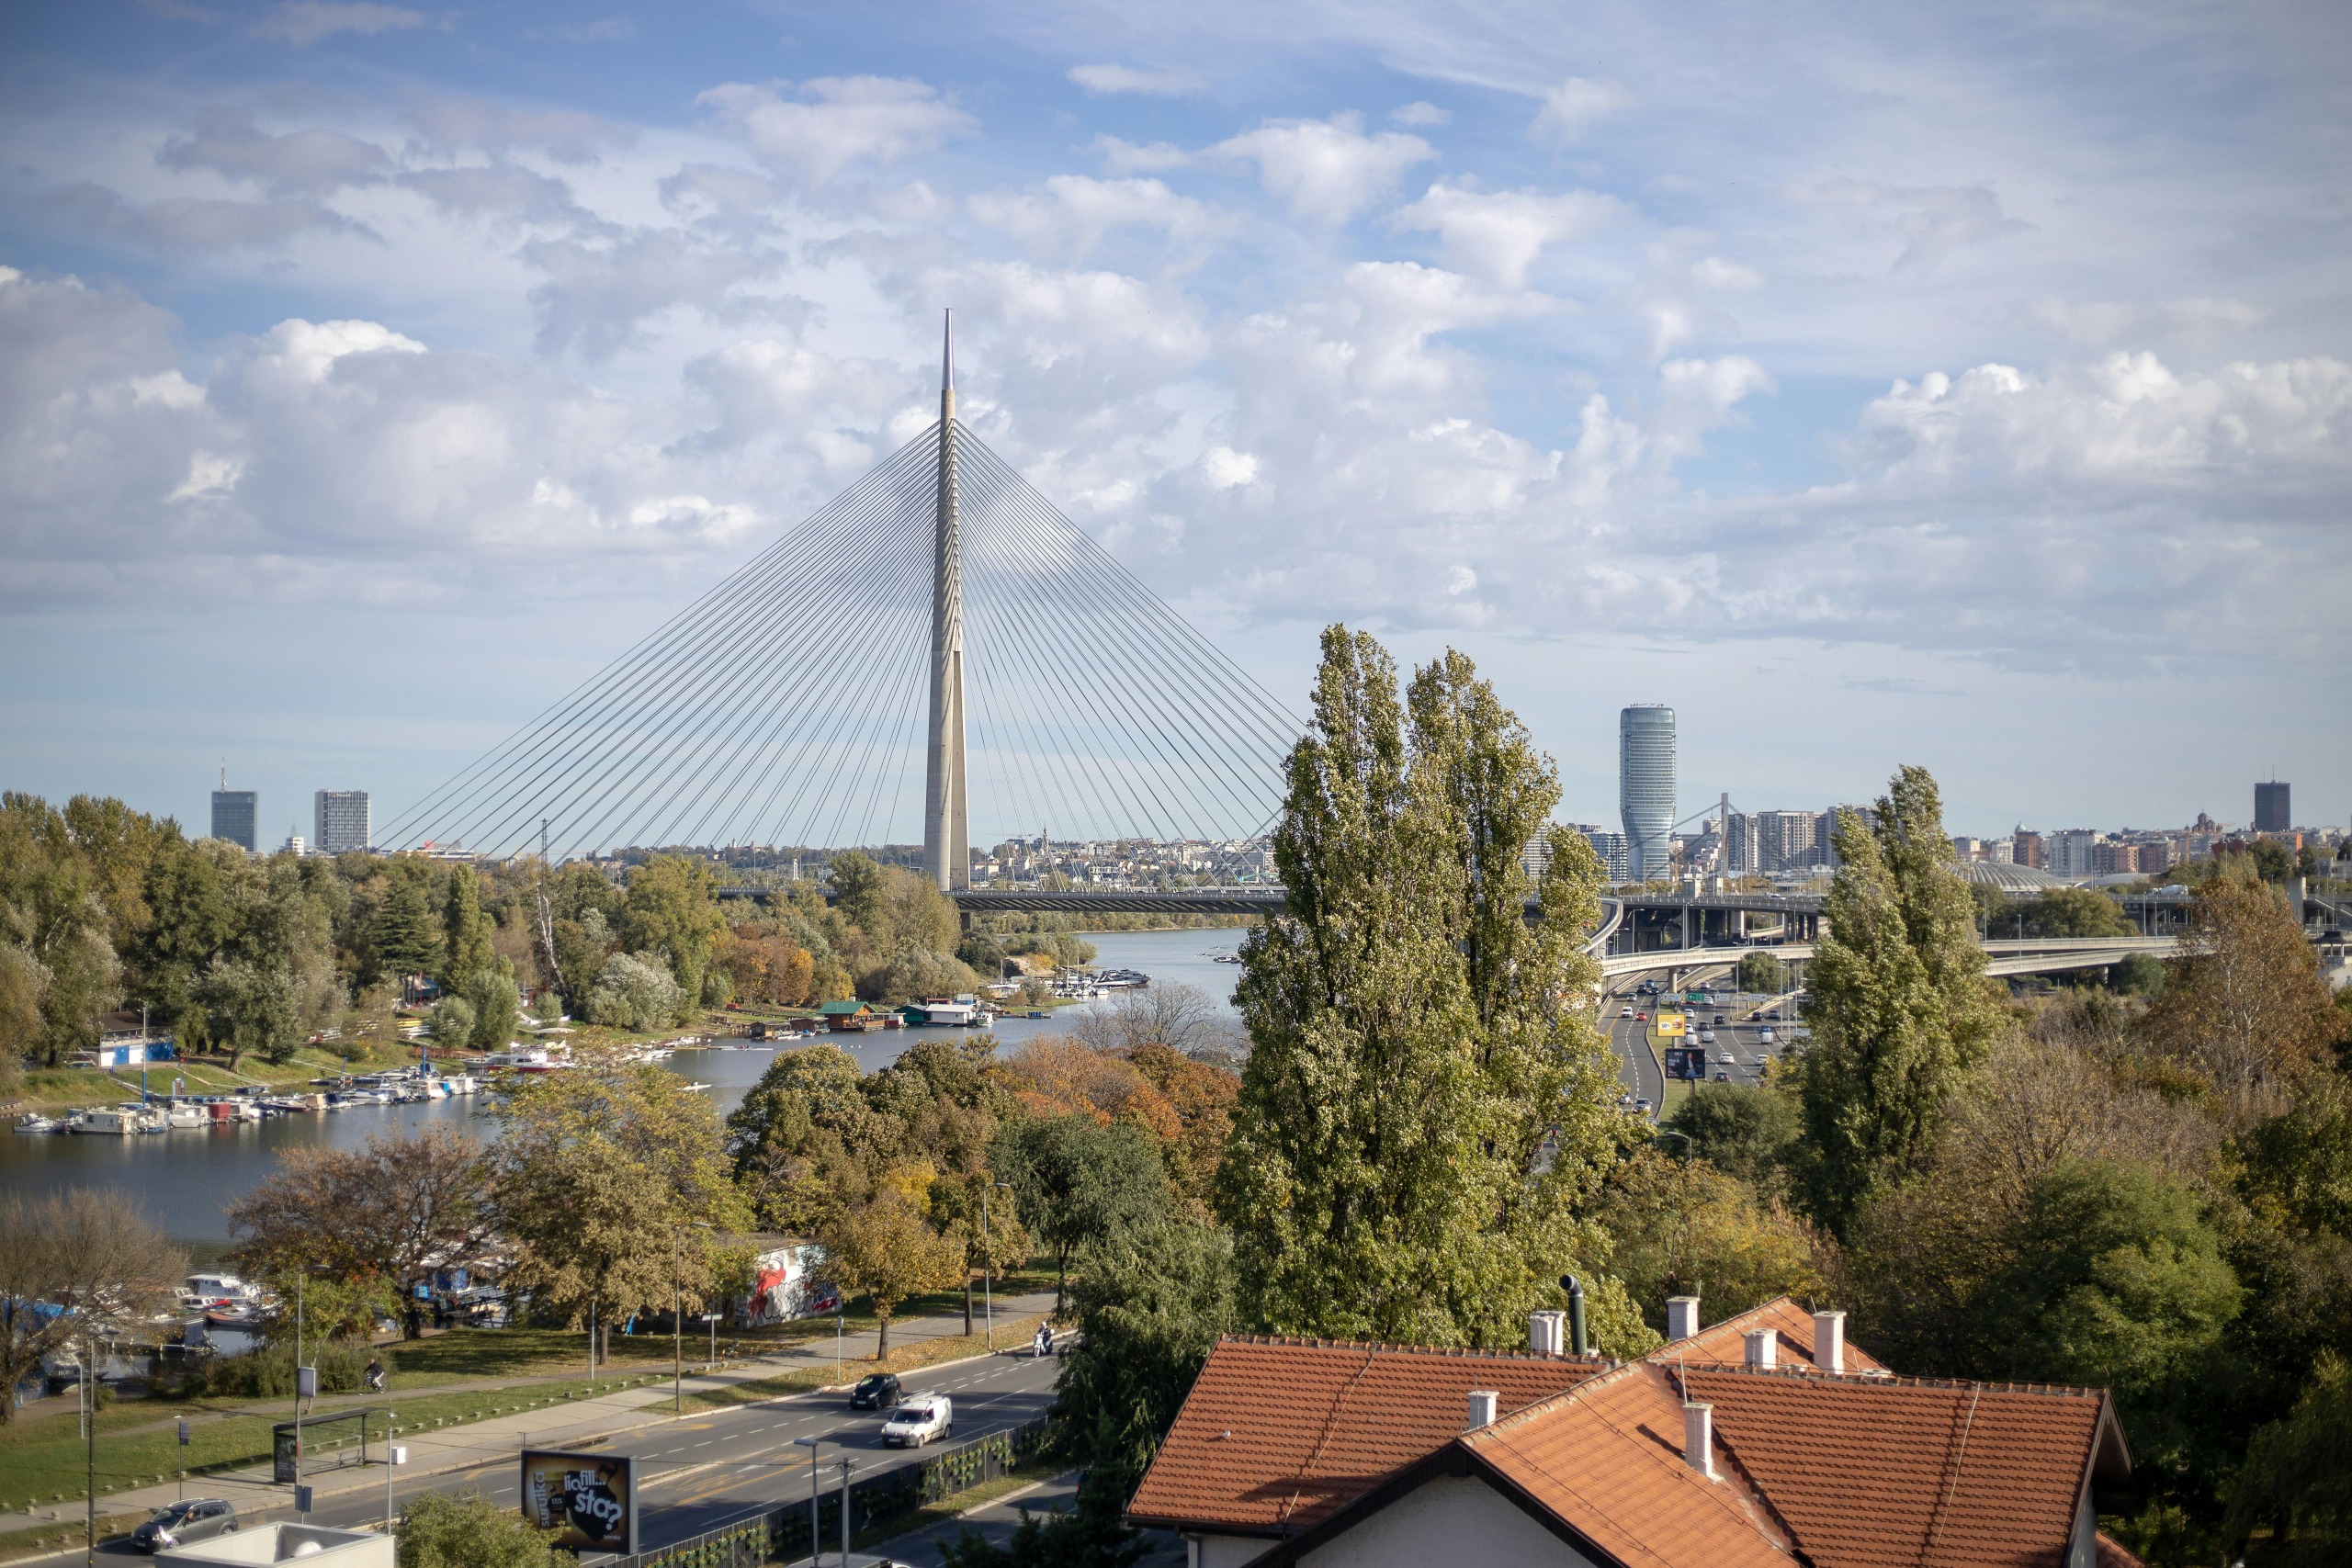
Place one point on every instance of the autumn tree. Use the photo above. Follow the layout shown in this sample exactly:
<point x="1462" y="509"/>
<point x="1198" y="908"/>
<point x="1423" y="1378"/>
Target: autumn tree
<point x="88" y="1256"/>
<point x="885" y="1251"/>
<point x="1681" y="1228"/>
<point x="397" y="1209"/>
<point x="598" y="1184"/>
<point x="1898" y="1004"/>
<point x="1426" y="1109"/>
<point x="2243" y="1005"/>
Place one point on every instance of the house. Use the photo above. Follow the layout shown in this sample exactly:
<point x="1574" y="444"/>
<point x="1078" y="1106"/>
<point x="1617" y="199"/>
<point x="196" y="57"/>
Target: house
<point x="849" y="1017"/>
<point x="1765" y="1440"/>
<point x="266" y="1544"/>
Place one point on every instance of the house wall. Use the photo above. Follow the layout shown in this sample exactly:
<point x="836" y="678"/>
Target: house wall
<point x="1223" y="1550"/>
<point x="1453" y="1519"/>
<point x="2082" y="1549"/>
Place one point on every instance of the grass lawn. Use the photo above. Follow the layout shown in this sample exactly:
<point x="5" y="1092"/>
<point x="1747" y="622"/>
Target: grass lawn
<point x="963" y="1501"/>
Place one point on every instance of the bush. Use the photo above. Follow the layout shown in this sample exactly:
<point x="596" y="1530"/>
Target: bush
<point x="497" y="1006"/>
<point x="268" y="1372"/>
<point x="453" y="1020"/>
<point x="469" y="1530"/>
<point x="635" y="991"/>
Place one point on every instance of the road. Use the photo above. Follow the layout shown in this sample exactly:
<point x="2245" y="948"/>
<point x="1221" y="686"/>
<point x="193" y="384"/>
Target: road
<point x="1736" y="1034"/>
<point x="704" y="1472"/>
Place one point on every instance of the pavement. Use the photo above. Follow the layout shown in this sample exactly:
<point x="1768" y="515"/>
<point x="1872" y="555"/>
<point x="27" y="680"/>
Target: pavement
<point x="699" y="1471"/>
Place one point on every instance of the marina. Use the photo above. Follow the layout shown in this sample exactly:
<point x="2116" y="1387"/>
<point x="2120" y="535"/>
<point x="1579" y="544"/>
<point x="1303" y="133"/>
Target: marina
<point x="187" y="1177"/>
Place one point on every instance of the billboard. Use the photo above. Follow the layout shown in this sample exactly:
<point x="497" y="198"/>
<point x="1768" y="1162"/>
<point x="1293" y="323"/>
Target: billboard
<point x="1672" y="1024"/>
<point x="591" y="1498"/>
<point x="1686" y="1062"/>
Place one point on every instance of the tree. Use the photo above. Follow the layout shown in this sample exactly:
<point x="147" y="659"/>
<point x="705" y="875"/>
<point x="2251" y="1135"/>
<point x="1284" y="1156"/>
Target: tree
<point x="52" y="914"/>
<point x="1426" y="1102"/>
<point x="1762" y="971"/>
<point x="402" y="931"/>
<point x="671" y="912"/>
<point x="1898" y="1004"/>
<point x="635" y="991"/>
<point x="1742" y="1132"/>
<point x="1180" y="1017"/>
<point x="2298" y="1474"/>
<point x="397" y="1209"/>
<point x="498" y="1006"/>
<point x="1079" y="1181"/>
<point x="984" y="1221"/>
<point x="885" y="1252"/>
<point x="76" y="1262"/>
<point x="467" y="1529"/>
<point x="601" y="1174"/>
<point x="452" y="1022"/>
<point x="2063" y="912"/>
<point x="251" y="1005"/>
<point x="465" y="933"/>
<point x="1684" y="1228"/>
<point x="2244" y="1004"/>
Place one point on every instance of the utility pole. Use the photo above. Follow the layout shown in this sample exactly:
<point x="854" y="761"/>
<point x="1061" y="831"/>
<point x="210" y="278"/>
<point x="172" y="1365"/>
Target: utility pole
<point x="90" y="1431"/>
<point x="947" y="843"/>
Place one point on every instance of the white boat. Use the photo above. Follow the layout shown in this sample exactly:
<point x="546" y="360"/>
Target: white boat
<point x="530" y="1058"/>
<point x="114" y="1121"/>
<point x="184" y="1115"/>
<point x="697" y="1088"/>
<point x="34" y="1122"/>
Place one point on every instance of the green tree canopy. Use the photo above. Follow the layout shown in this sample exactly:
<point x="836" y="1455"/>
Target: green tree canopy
<point x="1079" y="1181"/>
<point x="670" y="909"/>
<point x="466" y="1529"/>
<point x="1745" y="1133"/>
<point x="1427" y="1101"/>
<point x="465" y="932"/>
<point x="1897" y="1001"/>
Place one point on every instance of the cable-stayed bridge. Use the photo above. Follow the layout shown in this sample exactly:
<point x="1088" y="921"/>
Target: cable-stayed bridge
<point x="938" y="644"/>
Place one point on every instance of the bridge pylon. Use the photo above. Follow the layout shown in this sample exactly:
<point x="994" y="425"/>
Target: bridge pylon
<point x="947" y="833"/>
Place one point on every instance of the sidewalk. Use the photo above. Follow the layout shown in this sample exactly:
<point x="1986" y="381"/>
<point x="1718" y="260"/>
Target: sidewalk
<point x="257" y="1496"/>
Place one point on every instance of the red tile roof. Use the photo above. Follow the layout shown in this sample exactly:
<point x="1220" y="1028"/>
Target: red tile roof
<point x="1859" y="1471"/>
<point x="1873" y="1472"/>
<point x="1277" y="1433"/>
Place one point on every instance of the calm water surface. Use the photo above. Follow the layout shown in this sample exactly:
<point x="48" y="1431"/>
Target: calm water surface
<point x="188" y="1178"/>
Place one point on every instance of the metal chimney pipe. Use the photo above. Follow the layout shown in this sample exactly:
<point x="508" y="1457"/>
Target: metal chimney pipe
<point x="1829" y="1341"/>
<point x="1699" y="1439"/>
<point x="1577" y="1342"/>
<point x="1482" y="1408"/>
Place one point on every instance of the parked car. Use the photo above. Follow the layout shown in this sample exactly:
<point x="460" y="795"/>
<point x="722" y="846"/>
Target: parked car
<point x="922" y="1417"/>
<point x="877" y="1390"/>
<point x="180" y="1523"/>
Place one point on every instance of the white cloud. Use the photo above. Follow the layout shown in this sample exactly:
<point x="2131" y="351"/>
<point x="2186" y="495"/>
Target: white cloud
<point x="599" y="290"/>
<point x="1570" y="109"/>
<point x="1496" y="236"/>
<point x="838" y="122"/>
<point x="1328" y="171"/>
<point x="1128" y="158"/>
<point x="1225" y="469"/>
<point x="1932" y="220"/>
<point x="2098" y="324"/>
<point x="1419" y="116"/>
<point x="1069" y="214"/>
<point x="309" y="352"/>
<point x="446" y="123"/>
<point x="178" y="224"/>
<point x="313" y="162"/>
<point x="1102" y="80"/>
<point x="305" y="22"/>
<point x="209" y="474"/>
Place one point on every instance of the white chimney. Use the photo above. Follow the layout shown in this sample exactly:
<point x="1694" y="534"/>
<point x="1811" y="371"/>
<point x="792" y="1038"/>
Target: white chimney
<point x="1482" y="1408"/>
<point x="1681" y="1317"/>
<point x="1545" y="1332"/>
<point x="1829" y="1341"/>
<point x="1763" y="1348"/>
<point x="1699" y="1439"/>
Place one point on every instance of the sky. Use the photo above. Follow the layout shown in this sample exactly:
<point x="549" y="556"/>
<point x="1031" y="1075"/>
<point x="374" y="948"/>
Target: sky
<point x="1968" y="386"/>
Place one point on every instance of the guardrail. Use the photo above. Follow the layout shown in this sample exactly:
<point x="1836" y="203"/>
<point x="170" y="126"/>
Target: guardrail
<point x="781" y="1533"/>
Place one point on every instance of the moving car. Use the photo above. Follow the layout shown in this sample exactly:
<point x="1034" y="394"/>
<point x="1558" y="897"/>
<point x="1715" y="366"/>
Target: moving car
<point x="1722" y="1076"/>
<point x="1706" y="1037"/>
<point x="179" y="1523"/>
<point x="1719" y="1020"/>
<point x="1726" y="1057"/>
<point x="1626" y="1011"/>
<point x="1765" y="1034"/>
<point x="1641" y="1018"/>
<point x="922" y="1417"/>
<point x="875" y="1390"/>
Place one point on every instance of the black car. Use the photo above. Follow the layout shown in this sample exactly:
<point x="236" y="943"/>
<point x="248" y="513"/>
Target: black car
<point x="875" y="1390"/>
<point x="180" y="1523"/>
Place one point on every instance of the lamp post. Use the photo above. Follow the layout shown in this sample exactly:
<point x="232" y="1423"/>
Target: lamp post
<point x="677" y="1321"/>
<point x="815" y="1541"/>
<point x="988" y="1263"/>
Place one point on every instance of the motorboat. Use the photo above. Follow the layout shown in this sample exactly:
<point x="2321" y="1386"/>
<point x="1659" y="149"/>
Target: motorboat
<point x="235" y="1314"/>
<point x="34" y="1122"/>
<point x="530" y="1058"/>
<point x="181" y="1113"/>
<point x="116" y="1120"/>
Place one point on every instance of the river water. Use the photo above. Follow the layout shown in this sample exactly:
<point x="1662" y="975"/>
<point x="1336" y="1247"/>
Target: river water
<point x="186" y="1179"/>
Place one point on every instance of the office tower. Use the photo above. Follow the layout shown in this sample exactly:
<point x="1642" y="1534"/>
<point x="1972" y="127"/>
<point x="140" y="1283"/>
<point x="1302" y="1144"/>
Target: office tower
<point x="2027" y="848"/>
<point x="341" y="820"/>
<point x="1646" y="788"/>
<point x="2271" y="812"/>
<point x="234" y="811"/>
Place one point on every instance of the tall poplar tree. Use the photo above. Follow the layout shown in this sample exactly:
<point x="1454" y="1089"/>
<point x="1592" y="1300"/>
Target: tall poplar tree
<point x="1428" y="1103"/>
<point x="1898" y="1004"/>
<point x="465" y="932"/>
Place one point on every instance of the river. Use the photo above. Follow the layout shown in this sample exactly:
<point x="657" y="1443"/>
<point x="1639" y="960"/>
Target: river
<point x="186" y="1179"/>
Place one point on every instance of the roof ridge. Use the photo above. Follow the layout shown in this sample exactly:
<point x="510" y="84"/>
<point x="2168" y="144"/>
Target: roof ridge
<point x="1386" y="1346"/>
<point x="1892" y="1380"/>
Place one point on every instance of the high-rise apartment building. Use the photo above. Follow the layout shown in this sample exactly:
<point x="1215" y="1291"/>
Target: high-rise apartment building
<point x="2272" y="813"/>
<point x="1741" y="857"/>
<point x="1785" y="840"/>
<point x="1646" y="788"/>
<point x="233" y="814"/>
<point x="341" y="820"/>
<point x="2027" y="848"/>
<point x="2074" y="852"/>
<point x="1610" y="847"/>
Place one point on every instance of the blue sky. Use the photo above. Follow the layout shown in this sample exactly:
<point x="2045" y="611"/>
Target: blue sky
<point x="1968" y="386"/>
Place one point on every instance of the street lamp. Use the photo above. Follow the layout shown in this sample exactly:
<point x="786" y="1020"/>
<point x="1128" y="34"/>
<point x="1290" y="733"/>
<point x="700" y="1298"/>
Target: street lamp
<point x="815" y="1541"/>
<point x="988" y="1263"/>
<point x="677" y="1321"/>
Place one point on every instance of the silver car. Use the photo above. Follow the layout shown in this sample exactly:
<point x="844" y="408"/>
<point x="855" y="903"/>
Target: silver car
<point x="179" y="1523"/>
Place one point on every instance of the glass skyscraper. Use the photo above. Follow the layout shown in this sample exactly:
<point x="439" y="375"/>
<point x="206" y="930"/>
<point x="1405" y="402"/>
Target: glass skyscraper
<point x="1645" y="787"/>
<point x="340" y="821"/>
<point x="234" y="811"/>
